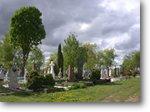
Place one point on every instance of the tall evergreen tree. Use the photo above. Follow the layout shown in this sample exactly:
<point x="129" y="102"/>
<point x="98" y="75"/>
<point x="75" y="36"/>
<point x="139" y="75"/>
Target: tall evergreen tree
<point x="60" y="59"/>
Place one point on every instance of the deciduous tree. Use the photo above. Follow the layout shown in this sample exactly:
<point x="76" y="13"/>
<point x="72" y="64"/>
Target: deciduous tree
<point x="26" y="30"/>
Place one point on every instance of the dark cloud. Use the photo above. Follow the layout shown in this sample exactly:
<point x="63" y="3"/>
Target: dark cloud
<point x="105" y="22"/>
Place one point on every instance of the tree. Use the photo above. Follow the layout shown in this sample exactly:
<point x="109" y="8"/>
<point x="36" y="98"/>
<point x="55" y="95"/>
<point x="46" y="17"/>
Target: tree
<point x="26" y="30"/>
<point x="70" y="50"/>
<point x="131" y="63"/>
<point x="91" y="56"/>
<point x="108" y="57"/>
<point x="35" y="60"/>
<point x="60" y="59"/>
<point x="128" y="65"/>
<point x="136" y="58"/>
<point x="81" y="59"/>
<point x="6" y="52"/>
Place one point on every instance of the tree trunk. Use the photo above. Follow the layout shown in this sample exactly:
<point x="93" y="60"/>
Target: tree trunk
<point x="70" y="73"/>
<point x="80" y="72"/>
<point x="62" y="70"/>
<point x="25" y="57"/>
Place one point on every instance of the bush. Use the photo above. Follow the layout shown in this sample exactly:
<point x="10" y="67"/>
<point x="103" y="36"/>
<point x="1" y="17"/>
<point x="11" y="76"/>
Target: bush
<point x="38" y="82"/>
<point x="49" y="82"/>
<point x="95" y="75"/>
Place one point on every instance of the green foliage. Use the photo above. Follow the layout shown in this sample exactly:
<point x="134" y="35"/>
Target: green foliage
<point x="131" y="63"/>
<point x="6" y="52"/>
<point x="108" y="57"/>
<point x="90" y="55"/>
<point x="95" y="75"/>
<point x="70" y="51"/>
<point x="38" y="82"/>
<point x="35" y="60"/>
<point x="26" y="30"/>
<point x="81" y="59"/>
<point x="60" y="59"/>
<point x="48" y="81"/>
<point x="136" y="58"/>
<point x="34" y="81"/>
<point x="53" y="57"/>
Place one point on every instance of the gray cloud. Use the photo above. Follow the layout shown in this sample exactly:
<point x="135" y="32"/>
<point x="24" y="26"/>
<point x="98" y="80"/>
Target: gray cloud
<point x="105" y="22"/>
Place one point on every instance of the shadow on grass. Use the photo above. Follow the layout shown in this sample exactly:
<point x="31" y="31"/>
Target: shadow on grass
<point x="109" y="83"/>
<point x="22" y="93"/>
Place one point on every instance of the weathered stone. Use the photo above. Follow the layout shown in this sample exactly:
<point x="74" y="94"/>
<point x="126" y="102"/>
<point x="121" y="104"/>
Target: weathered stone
<point x="13" y="83"/>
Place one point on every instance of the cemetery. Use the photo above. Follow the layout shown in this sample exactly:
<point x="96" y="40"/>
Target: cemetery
<point x="76" y="72"/>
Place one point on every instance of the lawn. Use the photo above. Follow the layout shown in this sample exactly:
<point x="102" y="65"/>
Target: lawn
<point x="121" y="91"/>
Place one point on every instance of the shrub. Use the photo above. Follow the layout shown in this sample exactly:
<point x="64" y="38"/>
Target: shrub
<point x="35" y="83"/>
<point x="95" y="75"/>
<point x="38" y="82"/>
<point x="49" y="82"/>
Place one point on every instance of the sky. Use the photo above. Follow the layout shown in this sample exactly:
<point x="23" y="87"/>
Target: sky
<point x="108" y="23"/>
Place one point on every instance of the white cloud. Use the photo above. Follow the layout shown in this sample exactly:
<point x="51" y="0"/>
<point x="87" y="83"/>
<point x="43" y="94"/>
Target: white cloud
<point x="84" y="26"/>
<point x="120" y="5"/>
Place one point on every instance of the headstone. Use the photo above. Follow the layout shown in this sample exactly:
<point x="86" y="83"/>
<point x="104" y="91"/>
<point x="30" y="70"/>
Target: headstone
<point x="86" y="74"/>
<point x="2" y="74"/>
<point x="52" y="69"/>
<point x="70" y="73"/>
<point x="104" y="73"/>
<point x="13" y="83"/>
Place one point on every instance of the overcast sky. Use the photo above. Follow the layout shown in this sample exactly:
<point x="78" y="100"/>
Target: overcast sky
<point x="108" y="23"/>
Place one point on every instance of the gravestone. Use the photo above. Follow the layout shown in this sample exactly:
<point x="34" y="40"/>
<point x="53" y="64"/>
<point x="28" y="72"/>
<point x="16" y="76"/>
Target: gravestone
<point x="2" y="75"/>
<point x="70" y="73"/>
<point x="87" y="74"/>
<point x="52" y="69"/>
<point x="104" y="73"/>
<point x="13" y="83"/>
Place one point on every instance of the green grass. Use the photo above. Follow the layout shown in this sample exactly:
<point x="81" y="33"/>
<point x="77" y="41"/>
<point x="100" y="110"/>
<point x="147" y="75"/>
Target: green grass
<point x="121" y="91"/>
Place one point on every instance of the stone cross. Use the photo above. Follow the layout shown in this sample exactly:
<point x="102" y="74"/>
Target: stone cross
<point x="52" y="69"/>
